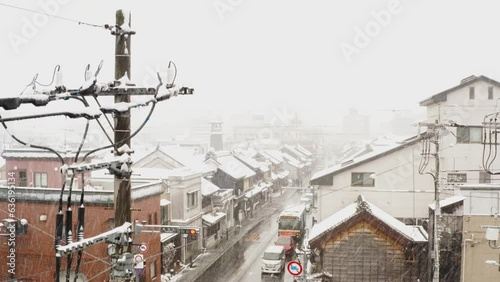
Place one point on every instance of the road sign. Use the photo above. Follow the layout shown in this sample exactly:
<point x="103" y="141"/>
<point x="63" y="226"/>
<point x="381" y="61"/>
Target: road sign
<point x="143" y="248"/>
<point x="139" y="271"/>
<point x="294" y="268"/>
<point x="139" y="261"/>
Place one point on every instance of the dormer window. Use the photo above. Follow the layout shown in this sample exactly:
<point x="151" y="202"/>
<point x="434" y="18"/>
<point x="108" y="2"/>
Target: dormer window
<point x="471" y="93"/>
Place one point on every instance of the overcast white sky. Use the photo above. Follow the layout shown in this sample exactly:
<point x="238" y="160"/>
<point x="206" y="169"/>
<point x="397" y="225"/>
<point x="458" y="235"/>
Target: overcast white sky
<point x="244" y="55"/>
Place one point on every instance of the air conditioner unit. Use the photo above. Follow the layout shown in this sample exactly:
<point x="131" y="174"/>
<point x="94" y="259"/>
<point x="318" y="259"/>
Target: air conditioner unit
<point x="491" y="234"/>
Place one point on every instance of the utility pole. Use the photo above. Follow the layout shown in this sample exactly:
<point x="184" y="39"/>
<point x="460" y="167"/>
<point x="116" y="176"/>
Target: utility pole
<point x="437" y="210"/>
<point x="123" y="197"/>
<point x="433" y="132"/>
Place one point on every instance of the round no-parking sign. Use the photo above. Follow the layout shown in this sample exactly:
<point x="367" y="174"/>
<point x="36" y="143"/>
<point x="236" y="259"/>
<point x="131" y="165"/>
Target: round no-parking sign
<point x="143" y="248"/>
<point x="294" y="268"/>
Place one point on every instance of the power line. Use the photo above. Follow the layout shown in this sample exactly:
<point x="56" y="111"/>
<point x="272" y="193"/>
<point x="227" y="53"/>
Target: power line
<point x="50" y="15"/>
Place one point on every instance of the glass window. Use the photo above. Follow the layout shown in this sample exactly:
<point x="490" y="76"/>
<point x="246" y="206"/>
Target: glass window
<point x="23" y="181"/>
<point x="484" y="177"/>
<point x="469" y="134"/>
<point x="164" y="214"/>
<point x="471" y="93"/>
<point x="41" y="179"/>
<point x="490" y="93"/>
<point x="192" y="198"/>
<point x="362" y="179"/>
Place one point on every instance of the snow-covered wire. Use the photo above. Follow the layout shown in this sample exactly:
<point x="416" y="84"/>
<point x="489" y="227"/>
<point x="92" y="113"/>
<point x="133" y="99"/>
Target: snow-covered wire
<point x="118" y="143"/>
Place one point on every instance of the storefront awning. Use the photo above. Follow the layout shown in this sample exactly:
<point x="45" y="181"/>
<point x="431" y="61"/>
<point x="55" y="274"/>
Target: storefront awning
<point x="274" y="176"/>
<point x="254" y="191"/>
<point x="283" y="174"/>
<point x="211" y="219"/>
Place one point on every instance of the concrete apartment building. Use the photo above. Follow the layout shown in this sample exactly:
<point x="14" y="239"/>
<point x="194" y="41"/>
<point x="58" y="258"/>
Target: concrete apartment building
<point x="395" y="179"/>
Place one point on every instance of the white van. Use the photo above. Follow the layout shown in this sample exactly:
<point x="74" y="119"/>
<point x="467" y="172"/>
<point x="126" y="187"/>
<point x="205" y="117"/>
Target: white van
<point x="273" y="260"/>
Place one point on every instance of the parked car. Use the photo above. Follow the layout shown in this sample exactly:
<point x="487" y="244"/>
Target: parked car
<point x="273" y="260"/>
<point x="287" y="242"/>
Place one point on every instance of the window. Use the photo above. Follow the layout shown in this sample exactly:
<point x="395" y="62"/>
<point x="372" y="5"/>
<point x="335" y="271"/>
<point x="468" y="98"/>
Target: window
<point x="156" y="218"/>
<point x="164" y="214"/>
<point x="457" y="177"/>
<point x="471" y="93"/>
<point x="192" y="198"/>
<point x="150" y="219"/>
<point x="469" y="134"/>
<point x="362" y="179"/>
<point x="212" y="230"/>
<point x="23" y="181"/>
<point x="41" y="179"/>
<point x="484" y="177"/>
<point x="490" y="93"/>
<point x="152" y="269"/>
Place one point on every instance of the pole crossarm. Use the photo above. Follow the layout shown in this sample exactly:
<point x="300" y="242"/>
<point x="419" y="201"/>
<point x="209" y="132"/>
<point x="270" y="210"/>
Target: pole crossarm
<point x="119" y="166"/>
<point x="120" y="236"/>
<point x="88" y="113"/>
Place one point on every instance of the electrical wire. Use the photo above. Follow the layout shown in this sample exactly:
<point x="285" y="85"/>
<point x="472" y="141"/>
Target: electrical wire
<point x="31" y="145"/>
<point x="54" y="16"/>
<point x="175" y="74"/>
<point x="495" y="142"/>
<point x="116" y="144"/>
<point x="56" y="69"/>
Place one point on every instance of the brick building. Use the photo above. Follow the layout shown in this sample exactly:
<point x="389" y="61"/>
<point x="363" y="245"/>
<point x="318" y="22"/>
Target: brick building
<point x="34" y="251"/>
<point x="39" y="168"/>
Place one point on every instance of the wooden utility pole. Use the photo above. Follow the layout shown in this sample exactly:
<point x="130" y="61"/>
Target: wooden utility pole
<point x="123" y="192"/>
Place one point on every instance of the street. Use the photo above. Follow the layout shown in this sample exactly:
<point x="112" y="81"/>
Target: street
<point x="253" y="245"/>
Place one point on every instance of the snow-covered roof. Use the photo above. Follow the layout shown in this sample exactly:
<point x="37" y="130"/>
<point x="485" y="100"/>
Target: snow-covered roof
<point x="295" y="152"/>
<point x="234" y="167"/>
<point x="208" y="187"/>
<point x="275" y="156"/>
<point x="31" y="153"/>
<point x="292" y="161"/>
<point x="447" y="202"/>
<point x="361" y="159"/>
<point x="182" y="156"/>
<point x="210" y="218"/>
<point x="165" y="236"/>
<point x="186" y="157"/>
<point x="253" y="163"/>
<point x="413" y="233"/>
<point x="304" y="150"/>
<point x="264" y="168"/>
<point x="249" y="161"/>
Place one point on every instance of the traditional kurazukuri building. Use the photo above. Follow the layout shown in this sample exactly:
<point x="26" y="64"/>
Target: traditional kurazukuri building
<point x="361" y="242"/>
